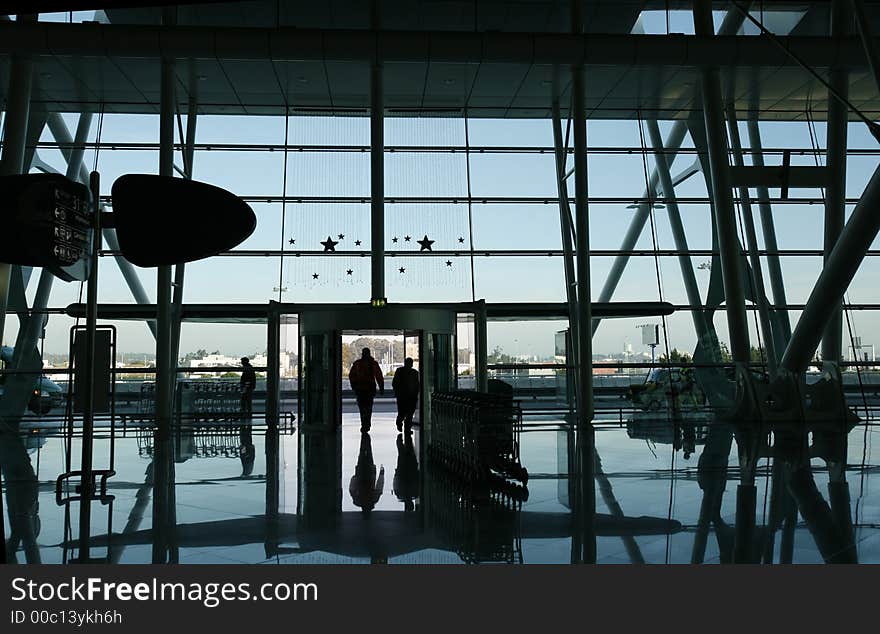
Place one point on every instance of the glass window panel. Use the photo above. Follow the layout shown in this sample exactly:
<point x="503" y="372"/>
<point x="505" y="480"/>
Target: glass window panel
<point x="328" y="174"/>
<point x="513" y="175"/>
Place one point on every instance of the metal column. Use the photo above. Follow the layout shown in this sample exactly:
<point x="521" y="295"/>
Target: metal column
<point x="273" y="359"/>
<point x="752" y="240"/>
<point x="768" y="228"/>
<point x="835" y="194"/>
<point x="180" y="268"/>
<point x="165" y="365"/>
<point x="377" y="184"/>
<point x="87" y="481"/>
<point x="481" y="345"/>
<point x="722" y="195"/>
<point x="582" y="231"/>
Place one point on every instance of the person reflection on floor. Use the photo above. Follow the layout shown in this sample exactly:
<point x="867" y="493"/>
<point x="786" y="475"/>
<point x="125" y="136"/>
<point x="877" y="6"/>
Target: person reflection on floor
<point x="406" y="476"/>
<point x="22" y="499"/>
<point x="246" y="450"/>
<point x="366" y="485"/>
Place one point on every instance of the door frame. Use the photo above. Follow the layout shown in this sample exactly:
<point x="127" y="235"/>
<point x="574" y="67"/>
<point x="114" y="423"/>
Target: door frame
<point x="425" y="317"/>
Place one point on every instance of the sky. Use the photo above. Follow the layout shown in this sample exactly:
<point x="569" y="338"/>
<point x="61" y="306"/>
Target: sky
<point x="495" y="226"/>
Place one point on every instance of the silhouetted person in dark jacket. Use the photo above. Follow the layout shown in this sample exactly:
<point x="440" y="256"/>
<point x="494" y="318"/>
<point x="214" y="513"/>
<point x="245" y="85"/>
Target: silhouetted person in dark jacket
<point x="247" y="385"/>
<point x="406" y="390"/>
<point x="364" y="376"/>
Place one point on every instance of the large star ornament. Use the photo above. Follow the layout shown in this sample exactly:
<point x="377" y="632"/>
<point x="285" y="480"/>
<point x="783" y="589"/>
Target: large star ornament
<point x="425" y="244"/>
<point x="329" y="244"/>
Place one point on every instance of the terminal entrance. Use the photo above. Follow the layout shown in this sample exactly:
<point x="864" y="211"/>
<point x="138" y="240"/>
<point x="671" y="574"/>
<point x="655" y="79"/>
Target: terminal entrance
<point x="340" y="469"/>
<point x="388" y="350"/>
<point x="425" y="334"/>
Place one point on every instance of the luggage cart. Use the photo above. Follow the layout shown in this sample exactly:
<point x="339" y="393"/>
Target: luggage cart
<point x="477" y="436"/>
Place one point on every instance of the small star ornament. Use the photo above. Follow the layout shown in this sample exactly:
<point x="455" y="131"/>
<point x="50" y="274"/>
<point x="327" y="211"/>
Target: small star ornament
<point x="291" y="241"/>
<point x="394" y="240"/>
<point x="448" y="262"/>
<point x="349" y="272"/>
<point x="314" y="276"/>
<point x="460" y="240"/>
<point x="402" y="269"/>
<point x="357" y="243"/>
<point x="425" y="244"/>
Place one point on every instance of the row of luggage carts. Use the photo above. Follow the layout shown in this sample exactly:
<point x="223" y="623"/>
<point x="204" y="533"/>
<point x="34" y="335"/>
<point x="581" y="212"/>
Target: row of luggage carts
<point x="198" y="401"/>
<point x="198" y="442"/>
<point x="476" y="436"/>
<point x="209" y="400"/>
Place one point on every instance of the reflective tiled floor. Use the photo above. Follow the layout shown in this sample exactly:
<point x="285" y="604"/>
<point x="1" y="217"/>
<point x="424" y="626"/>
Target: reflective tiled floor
<point x="355" y="498"/>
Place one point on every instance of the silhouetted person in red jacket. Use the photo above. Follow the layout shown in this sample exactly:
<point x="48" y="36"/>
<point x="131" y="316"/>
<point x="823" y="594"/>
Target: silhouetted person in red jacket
<point x="364" y="376"/>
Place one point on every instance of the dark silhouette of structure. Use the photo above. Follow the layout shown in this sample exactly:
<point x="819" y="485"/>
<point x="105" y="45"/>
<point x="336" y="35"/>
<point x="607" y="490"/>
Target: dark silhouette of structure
<point x="366" y="484"/>
<point x="406" y="390"/>
<point x="365" y="376"/>
<point x="406" y="476"/>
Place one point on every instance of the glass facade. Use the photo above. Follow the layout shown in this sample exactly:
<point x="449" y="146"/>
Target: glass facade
<point x="472" y="212"/>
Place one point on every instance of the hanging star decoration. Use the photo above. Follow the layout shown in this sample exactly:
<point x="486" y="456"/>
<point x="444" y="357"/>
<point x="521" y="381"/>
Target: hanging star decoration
<point x="357" y="243"/>
<point x="448" y="262"/>
<point x="394" y="239"/>
<point x="402" y="269"/>
<point x="425" y="244"/>
<point x="341" y="236"/>
<point x="329" y="245"/>
<point x="349" y="272"/>
<point x="291" y="241"/>
<point x="406" y="238"/>
<point x="314" y="276"/>
<point x="460" y="240"/>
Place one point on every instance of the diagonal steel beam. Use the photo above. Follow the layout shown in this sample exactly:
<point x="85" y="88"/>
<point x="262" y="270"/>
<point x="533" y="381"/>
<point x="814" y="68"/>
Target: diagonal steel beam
<point x="835" y="193"/>
<point x="759" y="291"/>
<point x="768" y="228"/>
<point x="840" y="268"/>
<point x="566" y="231"/>
<point x="722" y="194"/>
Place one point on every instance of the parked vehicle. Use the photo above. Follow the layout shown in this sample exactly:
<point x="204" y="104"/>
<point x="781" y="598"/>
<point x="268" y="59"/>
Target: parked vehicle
<point x="667" y="388"/>
<point x="46" y="395"/>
